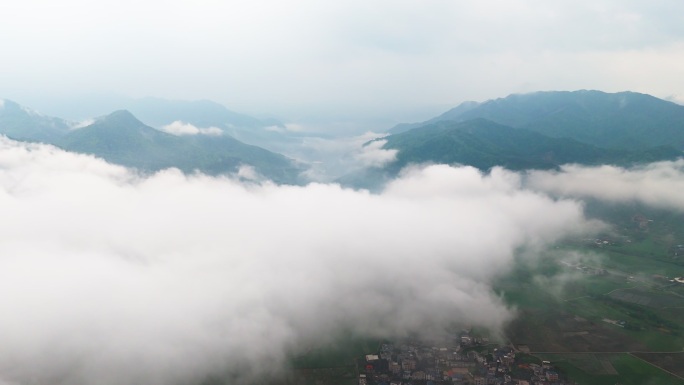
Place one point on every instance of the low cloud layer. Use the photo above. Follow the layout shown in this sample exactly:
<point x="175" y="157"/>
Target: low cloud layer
<point x="331" y="158"/>
<point x="82" y="123"/>
<point x="657" y="184"/>
<point x="113" y="278"/>
<point x="373" y="155"/>
<point x="180" y="128"/>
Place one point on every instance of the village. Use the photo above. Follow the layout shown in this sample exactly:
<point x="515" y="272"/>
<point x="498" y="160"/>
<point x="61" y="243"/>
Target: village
<point x="470" y="360"/>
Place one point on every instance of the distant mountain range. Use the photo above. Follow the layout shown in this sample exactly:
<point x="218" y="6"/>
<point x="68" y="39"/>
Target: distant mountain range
<point x="21" y="123"/>
<point x="542" y="130"/>
<point x="623" y="120"/>
<point x="204" y="114"/>
<point x="123" y="139"/>
<point x="484" y="144"/>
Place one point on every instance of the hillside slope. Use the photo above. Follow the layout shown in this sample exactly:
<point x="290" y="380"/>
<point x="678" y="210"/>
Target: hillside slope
<point x="624" y="120"/>
<point x="21" y="123"/>
<point x="123" y="139"/>
<point x="484" y="144"/>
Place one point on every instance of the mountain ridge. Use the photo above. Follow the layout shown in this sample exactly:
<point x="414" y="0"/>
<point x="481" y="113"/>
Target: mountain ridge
<point x="121" y="138"/>
<point x="485" y="144"/>
<point x="623" y="120"/>
<point x="22" y="123"/>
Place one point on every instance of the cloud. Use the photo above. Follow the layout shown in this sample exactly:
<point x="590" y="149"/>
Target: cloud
<point x="657" y="184"/>
<point x="294" y="127"/>
<point x="179" y="128"/>
<point x="334" y="157"/>
<point x="81" y="124"/>
<point x="247" y="172"/>
<point x="275" y="128"/>
<point x="675" y="98"/>
<point x="373" y="155"/>
<point x="114" y="278"/>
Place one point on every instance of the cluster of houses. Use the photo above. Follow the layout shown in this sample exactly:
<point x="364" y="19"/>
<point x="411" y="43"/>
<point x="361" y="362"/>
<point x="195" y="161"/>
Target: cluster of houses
<point x="469" y="361"/>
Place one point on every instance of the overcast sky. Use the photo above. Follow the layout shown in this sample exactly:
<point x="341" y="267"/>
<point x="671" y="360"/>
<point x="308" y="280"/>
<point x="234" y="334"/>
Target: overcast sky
<point x="346" y="58"/>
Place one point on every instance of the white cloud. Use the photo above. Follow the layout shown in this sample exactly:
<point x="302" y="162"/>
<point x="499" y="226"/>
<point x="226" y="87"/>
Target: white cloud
<point x="373" y="155"/>
<point x="332" y="158"/>
<point x="657" y="184"/>
<point x="294" y="127"/>
<point x="30" y="111"/>
<point x="676" y="98"/>
<point x="2" y="103"/>
<point x="274" y="129"/>
<point x="247" y="172"/>
<point x="83" y="123"/>
<point x="114" y="278"/>
<point x="180" y="128"/>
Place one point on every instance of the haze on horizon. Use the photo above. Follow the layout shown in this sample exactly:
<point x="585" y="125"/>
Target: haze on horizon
<point x="372" y="63"/>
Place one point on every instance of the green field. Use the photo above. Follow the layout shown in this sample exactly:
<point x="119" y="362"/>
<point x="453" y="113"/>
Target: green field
<point x="601" y="369"/>
<point x="333" y="363"/>
<point x="598" y="312"/>
<point x="585" y="299"/>
<point x="344" y="352"/>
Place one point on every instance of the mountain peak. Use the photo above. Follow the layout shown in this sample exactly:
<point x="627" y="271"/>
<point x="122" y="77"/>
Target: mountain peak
<point x="621" y="120"/>
<point x="9" y="106"/>
<point x="22" y="123"/>
<point x="121" y="118"/>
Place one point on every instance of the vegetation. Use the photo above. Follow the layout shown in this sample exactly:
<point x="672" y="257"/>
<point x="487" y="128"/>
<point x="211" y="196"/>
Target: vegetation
<point x="624" y="120"/>
<point x="484" y="144"/>
<point x="343" y="352"/>
<point x="21" y="123"/>
<point x="606" y="311"/>
<point x="122" y="139"/>
<point x="600" y="369"/>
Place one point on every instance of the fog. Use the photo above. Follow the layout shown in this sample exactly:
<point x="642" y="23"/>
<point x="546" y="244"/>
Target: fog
<point x="111" y="277"/>
<point x="331" y="158"/>
<point x="657" y="184"/>
<point x="179" y="128"/>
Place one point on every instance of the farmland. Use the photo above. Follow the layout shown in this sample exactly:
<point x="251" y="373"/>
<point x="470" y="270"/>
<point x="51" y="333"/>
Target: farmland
<point x="605" y="309"/>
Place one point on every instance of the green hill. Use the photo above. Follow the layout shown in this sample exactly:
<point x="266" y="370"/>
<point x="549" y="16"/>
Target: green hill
<point x="21" y="123"/>
<point x="122" y="139"/>
<point x="485" y="144"/>
<point x="204" y="113"/>
<point x="624" y="120"/>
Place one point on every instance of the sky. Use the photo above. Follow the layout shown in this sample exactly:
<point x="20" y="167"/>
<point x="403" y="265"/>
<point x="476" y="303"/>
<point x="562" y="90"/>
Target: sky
<point x="310" y="61"/>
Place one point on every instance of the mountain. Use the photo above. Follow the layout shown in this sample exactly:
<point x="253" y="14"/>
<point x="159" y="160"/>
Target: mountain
<point x="485" y="144"/>
<point x="452" y="114"/>
<point x="624" y="120"/>
<point x="21" y="123"/>
<point x="123" y="139"/>
<point x="204" y="114"/>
